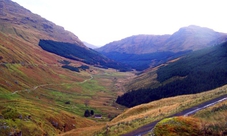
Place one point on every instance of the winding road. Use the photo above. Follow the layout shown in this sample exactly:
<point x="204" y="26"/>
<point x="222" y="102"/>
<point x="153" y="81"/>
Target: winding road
<point x="149" y="127"/>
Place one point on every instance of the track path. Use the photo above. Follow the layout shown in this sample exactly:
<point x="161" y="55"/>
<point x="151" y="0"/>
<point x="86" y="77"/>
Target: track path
<point x="43" y="85"/>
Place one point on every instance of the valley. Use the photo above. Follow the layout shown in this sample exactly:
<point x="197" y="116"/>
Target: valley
<point x="52" y="84"/>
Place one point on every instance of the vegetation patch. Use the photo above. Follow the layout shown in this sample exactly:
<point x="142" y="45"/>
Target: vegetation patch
<point x="185" y="126"/>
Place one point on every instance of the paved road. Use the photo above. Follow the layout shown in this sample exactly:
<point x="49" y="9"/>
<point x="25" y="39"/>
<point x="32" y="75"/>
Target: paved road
<point x="147" y="128"/>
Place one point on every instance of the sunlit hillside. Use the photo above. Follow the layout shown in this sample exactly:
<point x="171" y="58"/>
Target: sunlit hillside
<point x="38" y="95"/>
<point x="138" y="116"/>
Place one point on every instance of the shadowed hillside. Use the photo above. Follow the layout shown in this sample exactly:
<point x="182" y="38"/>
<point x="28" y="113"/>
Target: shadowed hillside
<point x="199" y="71"/>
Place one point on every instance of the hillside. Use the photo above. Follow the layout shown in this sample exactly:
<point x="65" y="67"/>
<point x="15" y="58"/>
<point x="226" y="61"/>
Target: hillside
<point x="41" y="93"/>
<point x="186" y="38"/>
<point x="137" y="44"/>
<point x="144" y="51"/>
<point x="135" y="117"/>
<point x="75" y="52"/>
<point x="199" y="71"/>
<point x="19" y="22"/>
<point x="49" y="80"/>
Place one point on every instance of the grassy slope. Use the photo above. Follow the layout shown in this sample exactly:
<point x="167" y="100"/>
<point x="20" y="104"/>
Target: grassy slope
<point x="145" y="113"/>
<point x="209" y="121"/>
<point x="34" y="88"/>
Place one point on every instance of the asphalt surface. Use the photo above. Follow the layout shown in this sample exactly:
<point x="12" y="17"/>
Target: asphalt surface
<point x="147" y="128"/>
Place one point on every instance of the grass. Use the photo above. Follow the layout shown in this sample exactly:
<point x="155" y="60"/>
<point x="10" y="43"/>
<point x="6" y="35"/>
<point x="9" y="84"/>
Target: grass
<point x="175" y="126"/>
<point x="24" y="66"/>
<point x="214" y="119"/>
<point x="208" y="121"/>
<point x="46" y="103"/>
<point x="143" y="114"/>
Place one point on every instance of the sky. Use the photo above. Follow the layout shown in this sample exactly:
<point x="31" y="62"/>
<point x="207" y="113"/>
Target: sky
<point x="99" y="22"/>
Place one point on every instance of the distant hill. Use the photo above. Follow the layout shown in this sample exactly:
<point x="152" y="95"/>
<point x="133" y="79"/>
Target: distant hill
<point x="144" y="51"/>
<point x="199" y="71"/>
<point x="137" y="44"/>
<point x="90" y="45"/>
<point x="186" y="38"/>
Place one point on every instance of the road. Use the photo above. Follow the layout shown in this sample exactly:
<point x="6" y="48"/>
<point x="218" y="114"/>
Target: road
<point x="147" y="128"/>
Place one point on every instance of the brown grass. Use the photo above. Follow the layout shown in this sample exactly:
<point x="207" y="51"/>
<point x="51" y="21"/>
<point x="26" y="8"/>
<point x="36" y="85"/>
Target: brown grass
<point x="145" y="113"/>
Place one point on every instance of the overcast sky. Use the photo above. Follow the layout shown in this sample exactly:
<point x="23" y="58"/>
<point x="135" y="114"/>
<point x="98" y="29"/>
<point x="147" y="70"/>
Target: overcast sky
<point x="102" y="21"/>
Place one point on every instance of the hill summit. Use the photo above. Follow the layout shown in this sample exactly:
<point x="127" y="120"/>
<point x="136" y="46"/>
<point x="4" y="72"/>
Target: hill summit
<point x="144" y="51"/>
<point x="186" y="38"/>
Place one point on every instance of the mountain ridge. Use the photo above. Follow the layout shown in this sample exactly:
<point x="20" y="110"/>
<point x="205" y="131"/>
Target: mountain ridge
<point x="144" y="51"/>
<point x="186" y="38"/>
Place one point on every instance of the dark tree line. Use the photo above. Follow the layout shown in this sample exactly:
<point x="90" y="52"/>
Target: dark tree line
<point x="143" y="61"/>
<point x="76" y="52"/>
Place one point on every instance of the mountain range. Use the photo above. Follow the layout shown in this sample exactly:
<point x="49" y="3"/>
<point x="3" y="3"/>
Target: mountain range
<point x="187" y="38"/>
<point x="144" y="51"/>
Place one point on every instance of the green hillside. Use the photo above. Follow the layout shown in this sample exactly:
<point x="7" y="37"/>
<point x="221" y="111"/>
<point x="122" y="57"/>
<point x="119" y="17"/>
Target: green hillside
<point x="199" y="71"/>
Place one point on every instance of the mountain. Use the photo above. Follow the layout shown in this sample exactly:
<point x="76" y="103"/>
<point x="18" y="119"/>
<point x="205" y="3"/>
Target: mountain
<point x="186" y="38"/>
<point x="41" y="92"/>
<point x="138" y="44"/>
<point x="199" y="71"/>
<point x="20" y="23"/>
<point x="90" y="45"/>
<point x="144" y="51"/>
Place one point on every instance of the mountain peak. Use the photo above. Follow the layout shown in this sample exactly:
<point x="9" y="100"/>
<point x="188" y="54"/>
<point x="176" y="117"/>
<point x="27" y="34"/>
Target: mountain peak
<point x="195" y="29"/>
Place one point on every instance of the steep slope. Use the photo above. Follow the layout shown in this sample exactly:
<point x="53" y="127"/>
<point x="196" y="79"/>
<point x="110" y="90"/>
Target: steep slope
<point x="199" y="71"/>
<point x="22" y="23"/>
<point x="192" y="38"/>
<point x="38" y="96"/>
<point x="144" y="51"/>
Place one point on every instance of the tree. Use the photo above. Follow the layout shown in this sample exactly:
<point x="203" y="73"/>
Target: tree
<point x="92" y="112"/>
<point x="87" y="113"/>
